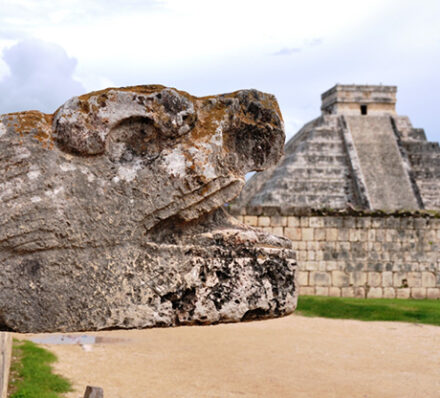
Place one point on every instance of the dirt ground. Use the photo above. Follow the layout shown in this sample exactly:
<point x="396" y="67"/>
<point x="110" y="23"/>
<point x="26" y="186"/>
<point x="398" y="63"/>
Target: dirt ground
<point x="292" y="357"/>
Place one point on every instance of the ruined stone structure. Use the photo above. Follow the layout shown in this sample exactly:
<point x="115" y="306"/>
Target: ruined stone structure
<point x="358" y="192"/>
<point x="111" y="212"/>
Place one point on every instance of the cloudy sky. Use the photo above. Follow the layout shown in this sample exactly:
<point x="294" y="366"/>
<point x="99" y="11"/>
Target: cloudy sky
<point x="51" y="50"/>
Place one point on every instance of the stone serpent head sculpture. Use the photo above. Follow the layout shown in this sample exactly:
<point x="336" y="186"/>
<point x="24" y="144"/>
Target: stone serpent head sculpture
<point x="112" y="212"/>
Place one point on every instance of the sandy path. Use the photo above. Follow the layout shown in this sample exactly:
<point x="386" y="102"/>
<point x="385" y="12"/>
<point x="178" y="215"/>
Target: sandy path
<point x="290" y="357"/>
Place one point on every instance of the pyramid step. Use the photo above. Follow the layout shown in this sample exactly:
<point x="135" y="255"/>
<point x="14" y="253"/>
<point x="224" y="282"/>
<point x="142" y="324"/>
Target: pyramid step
<point x="422" y="146"/>
<point x="316" y="159"/>
<point x="416" y="134"/>
<point x="429" y="186"/>
<point x="312" y="172"/>
<point x="326" y="134"/>
<point x="325" y="148"/>
<point x="423" y="161"/>
<point x="429" y="174"/>
<point x="318" y="201"/>
<point x="431" y="201"/>
<point x="335" y="187"/>
<point x="326" y="159"/>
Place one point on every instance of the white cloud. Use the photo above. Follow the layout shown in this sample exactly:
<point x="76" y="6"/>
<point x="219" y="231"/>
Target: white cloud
<point x="169" y="31"/>
<point x="40" y="77"/>
<point x="287" y="51"/>
<point x="208" y="47"/>
<point x="4" y="69"/>
<point x="94" y="82"/>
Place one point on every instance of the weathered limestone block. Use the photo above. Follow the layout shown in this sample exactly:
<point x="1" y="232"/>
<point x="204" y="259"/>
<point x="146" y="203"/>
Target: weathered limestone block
<point x="375" y="292"/>
<point x="302" y="278"/>
<point x="340" y="279"/>
<point x="374" y="279"/>
<point x="347" y="292"/>
<point x="334" y="291"/>
<point x="428" y="279"/>
<point x="389" y="292"/>
<point x="319" y="278"/>
<point x="403" y="293"/>
<point x="111" y="212"/>
<point x="433" y="293"/>
<point x="418" y="292"/>
<point x="321" y="291"/>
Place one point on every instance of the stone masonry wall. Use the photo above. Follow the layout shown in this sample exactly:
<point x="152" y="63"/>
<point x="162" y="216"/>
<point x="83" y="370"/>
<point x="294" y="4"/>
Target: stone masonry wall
<point x="361" y="256"/>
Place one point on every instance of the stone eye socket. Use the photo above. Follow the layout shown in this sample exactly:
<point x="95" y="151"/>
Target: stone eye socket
<point x="135" y="137"/>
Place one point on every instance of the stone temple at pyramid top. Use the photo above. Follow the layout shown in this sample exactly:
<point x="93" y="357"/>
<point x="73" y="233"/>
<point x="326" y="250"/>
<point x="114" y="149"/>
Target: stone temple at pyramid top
<point x="359" y="153"/>
<point x="359" y="100"/>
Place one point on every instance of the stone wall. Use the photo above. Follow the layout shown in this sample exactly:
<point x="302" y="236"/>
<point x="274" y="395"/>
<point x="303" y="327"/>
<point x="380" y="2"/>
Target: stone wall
<point x="389" y="256"/>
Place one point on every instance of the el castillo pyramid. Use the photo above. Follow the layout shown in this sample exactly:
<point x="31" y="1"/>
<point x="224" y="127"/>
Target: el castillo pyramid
<point x="358" y="154"/>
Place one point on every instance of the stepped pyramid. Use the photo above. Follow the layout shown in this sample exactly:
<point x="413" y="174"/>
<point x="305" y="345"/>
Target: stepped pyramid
<point x="358" y="154"/>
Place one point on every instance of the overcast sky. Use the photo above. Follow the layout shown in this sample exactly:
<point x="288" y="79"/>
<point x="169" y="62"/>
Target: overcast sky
<point x="52" y="50"/>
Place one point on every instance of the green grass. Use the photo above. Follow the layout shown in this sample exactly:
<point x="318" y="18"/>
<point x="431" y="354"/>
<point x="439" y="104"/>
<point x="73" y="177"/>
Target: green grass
<point x="416" y="311"/>
<point x="31" y="373"/>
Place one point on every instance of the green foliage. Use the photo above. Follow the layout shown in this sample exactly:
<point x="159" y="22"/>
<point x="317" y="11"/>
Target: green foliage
<point x="33" y="372"/>
<point x="416" y="311"/>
